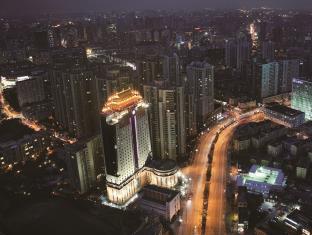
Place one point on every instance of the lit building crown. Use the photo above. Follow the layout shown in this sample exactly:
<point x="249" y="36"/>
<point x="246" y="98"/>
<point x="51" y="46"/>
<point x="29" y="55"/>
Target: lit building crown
<point x="121" y="104"/>
<point x="122" y="101"/>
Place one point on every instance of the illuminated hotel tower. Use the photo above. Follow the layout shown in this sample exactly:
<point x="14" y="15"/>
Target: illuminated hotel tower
<point x="127" y="144"/>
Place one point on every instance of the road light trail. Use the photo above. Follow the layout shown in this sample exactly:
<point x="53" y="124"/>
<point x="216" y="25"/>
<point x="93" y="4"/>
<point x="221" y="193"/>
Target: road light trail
<point x="216" y="216"/>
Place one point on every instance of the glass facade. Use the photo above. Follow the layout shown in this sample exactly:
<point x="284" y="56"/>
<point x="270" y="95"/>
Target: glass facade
<point x="302" y="97"/>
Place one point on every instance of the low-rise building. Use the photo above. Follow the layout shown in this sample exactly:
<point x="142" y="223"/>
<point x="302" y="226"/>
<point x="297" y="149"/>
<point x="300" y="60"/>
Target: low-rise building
<point x="302" y="167"/>
<point x="269" y="134"/>
<point x="275" y="148"/>
<point x="262" y="179"/>
<point x="284" y="115"/>
<point x="20" y="143"/>
<point x="161" y="201"/>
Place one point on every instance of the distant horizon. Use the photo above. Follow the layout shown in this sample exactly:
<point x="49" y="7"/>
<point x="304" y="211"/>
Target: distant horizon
<point x="82" y="12"/>
<point x="37" y="7"/>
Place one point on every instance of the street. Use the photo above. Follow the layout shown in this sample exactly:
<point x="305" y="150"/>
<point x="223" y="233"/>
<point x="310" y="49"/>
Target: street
<point x="192" y="213"/>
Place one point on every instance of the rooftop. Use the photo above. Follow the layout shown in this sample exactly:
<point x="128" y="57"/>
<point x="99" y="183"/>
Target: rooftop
<point x="121" y="101"/>
<point x="261" y="174"/>
<point x="162" y="165"/>
<point x="153" y="192"/>
<point x="283" y="110"/>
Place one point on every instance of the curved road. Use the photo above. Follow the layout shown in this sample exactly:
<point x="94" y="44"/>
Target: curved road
<point x="192" y="214"/>
<point x="215" y="224"/>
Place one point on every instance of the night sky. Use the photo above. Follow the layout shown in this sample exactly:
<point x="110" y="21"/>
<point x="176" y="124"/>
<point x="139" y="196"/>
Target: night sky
<point x="37" y="6"/>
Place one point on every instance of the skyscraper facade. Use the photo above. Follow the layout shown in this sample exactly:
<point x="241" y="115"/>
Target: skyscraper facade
<point x="126" y="140"/>
<point x="75" y="100"/>
<point x="127" y="148"/>
<point x="167" y="120"/>
<point x="200" y="83"/>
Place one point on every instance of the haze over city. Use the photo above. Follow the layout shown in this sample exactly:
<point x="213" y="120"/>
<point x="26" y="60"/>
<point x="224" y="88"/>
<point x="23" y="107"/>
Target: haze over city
<point x="139" y="117"/>
<point x="18" y="7"/>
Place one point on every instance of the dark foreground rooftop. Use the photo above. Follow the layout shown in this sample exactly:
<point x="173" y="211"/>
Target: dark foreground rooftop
<point x="13" y="129"/>
<point x="63" y="217"/>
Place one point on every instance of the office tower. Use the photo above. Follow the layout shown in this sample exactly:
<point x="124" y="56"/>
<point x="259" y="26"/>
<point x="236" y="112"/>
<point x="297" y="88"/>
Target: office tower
<point x="243" y="50"/>
<point x="81" y="160"/>
<point x="75" y="102"/>
<point x="269" y="79"/>
<point x="200" y="83"/>
<point x="302" y="96"/>
<point x="230" y="53"/>
<point x="288" y="70"/>
<point x="126" y="140"/>
<point x="167" y="120"/>
<point x="267" y="50"/>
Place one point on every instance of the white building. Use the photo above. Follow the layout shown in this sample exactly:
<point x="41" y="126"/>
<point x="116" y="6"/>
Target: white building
<point x="262" y="179"/>
<point x="127" y="146"/>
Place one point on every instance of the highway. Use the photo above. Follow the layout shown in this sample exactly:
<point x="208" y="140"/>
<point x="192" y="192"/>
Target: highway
<point x="192" y="212"/>
<point x="215" y="224"/>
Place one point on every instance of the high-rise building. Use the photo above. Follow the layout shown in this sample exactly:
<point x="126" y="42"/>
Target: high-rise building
<point x="127" y="148"/>
<point x="230" y="53"/>
<point x="269" y="79"/>
<point x="75" y="100"/>
<point x="288" y="70"/>
<point x="267" y="50"/>
<point x="302" y="96"/>
<point x="150" y="69"/>
<point x="167" y="120"/>
<point x="244" y="47"/>
<point x="200" y="83"/>
<point x="171" y="68"/>
<point x="156" y="68"/>
<point x="81" y="160"/>
<point x="126" y="140"/>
